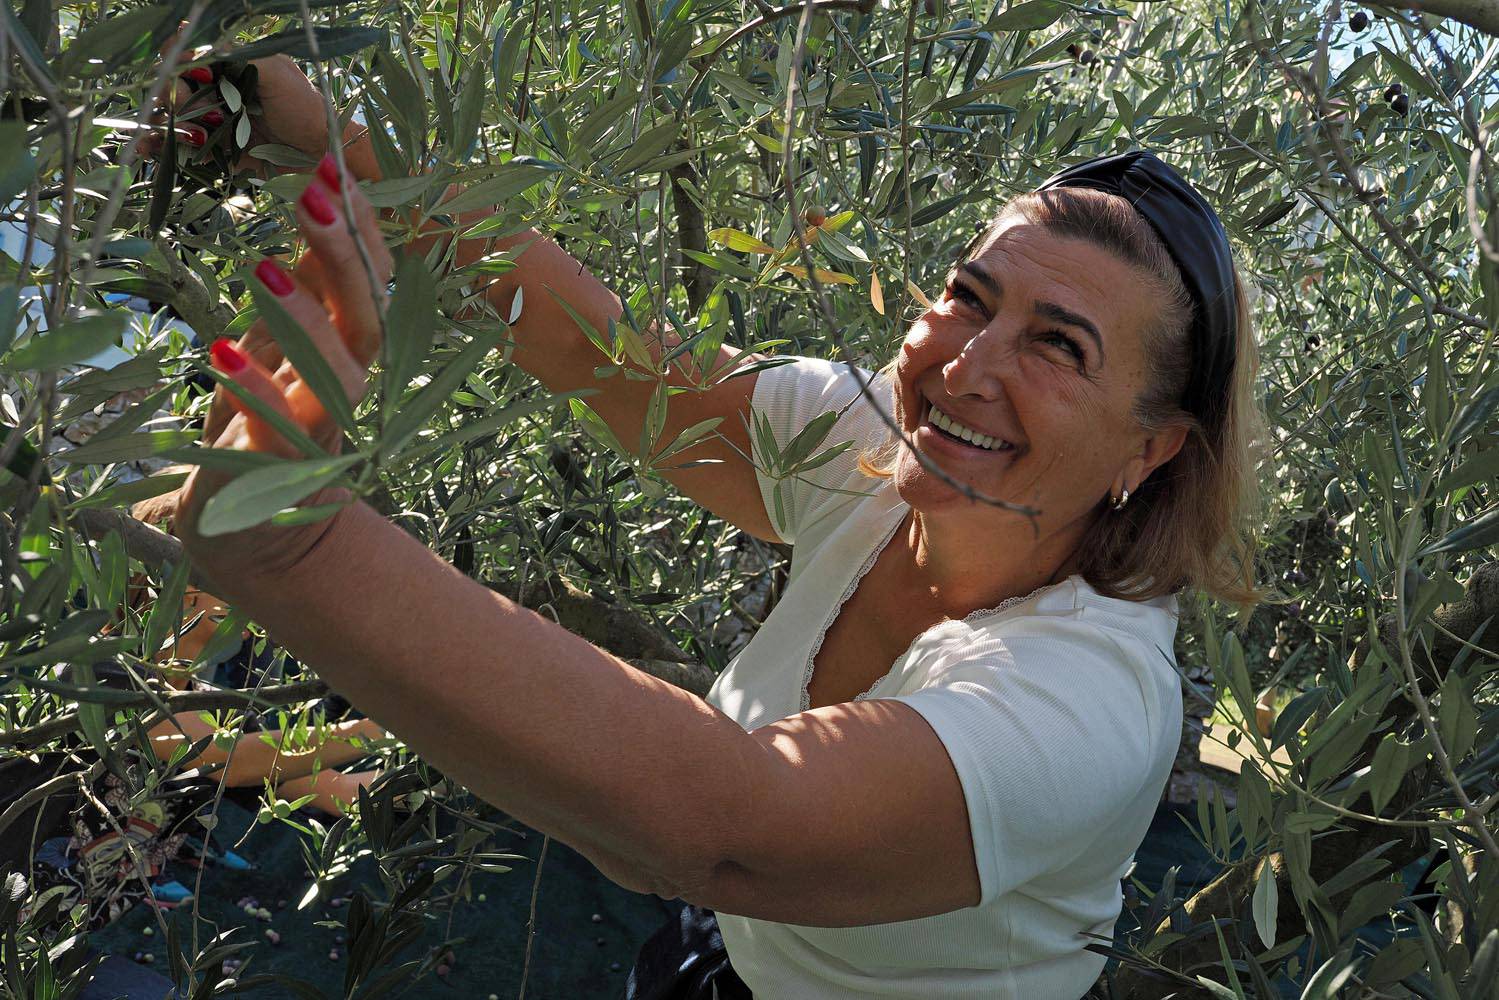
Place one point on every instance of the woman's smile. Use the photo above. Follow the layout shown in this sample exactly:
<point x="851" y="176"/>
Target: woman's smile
<point x="943" y="434"/>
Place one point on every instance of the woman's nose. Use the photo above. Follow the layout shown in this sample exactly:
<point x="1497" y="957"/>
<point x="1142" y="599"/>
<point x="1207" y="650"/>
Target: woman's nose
<point x="979" y="368"/>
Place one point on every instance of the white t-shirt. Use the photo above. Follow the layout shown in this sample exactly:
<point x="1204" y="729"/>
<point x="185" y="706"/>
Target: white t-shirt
<point x="1060" y="710"/>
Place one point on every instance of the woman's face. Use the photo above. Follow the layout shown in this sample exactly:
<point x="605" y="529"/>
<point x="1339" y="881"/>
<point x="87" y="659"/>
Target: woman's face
<point x="1036" y="344"/>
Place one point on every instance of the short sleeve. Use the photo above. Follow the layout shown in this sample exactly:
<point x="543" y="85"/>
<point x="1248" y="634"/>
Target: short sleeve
<point x="1051" y="738"/>
<point x="789" y="397"/>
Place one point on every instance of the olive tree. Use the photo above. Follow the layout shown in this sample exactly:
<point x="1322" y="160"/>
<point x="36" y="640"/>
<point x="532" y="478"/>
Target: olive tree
<point x="795" y="178"/>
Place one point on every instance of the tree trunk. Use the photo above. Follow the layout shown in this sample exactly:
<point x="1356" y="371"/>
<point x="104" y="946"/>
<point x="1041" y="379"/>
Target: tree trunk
<point x="692" y="234"/>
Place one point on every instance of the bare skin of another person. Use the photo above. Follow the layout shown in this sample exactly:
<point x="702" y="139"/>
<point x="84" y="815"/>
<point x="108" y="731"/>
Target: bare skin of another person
<point x="296" y="771"/>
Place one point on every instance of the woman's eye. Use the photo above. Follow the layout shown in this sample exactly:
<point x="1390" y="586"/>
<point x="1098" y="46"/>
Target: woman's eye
<point x="1067" y="342"/>
<point x="965" y="295"/>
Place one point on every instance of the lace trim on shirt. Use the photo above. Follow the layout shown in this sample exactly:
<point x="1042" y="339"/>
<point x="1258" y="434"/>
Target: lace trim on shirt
<point x="848" y="592"/>
<point x="1008" y="602"/>
<point x="853" y="585"/>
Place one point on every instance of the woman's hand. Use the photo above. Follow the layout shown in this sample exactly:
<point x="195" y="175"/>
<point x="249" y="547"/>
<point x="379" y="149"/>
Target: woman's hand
<point x="330" y="295"/>
<point x="291" y="114"/>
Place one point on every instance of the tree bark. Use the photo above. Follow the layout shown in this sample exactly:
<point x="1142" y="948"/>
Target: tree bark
<point x="1480" y="14"/>
<point x="204" y="311"/>
<point x="611" y="626"/>
<point x="692" y="234"/>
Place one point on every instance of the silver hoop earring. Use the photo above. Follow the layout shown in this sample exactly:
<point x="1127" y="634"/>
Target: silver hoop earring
<point x="1119" y="504"/>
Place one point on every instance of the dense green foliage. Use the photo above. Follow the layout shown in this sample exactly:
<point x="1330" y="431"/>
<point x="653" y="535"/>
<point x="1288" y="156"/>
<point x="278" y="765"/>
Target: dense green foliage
<point x="677" y="148"/>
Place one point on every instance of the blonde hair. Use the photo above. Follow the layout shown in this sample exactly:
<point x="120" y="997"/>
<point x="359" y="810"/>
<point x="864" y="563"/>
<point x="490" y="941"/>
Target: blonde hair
<point x="1194" y="521"/>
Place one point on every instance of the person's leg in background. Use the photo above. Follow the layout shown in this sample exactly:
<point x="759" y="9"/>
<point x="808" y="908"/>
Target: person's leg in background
<point x="255" y="760"/>
<point x="333" y="790"/>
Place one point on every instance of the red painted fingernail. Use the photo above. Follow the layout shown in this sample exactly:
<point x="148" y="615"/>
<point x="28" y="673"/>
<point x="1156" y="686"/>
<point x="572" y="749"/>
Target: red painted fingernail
<point x="199" y="74"/>
<point x="272" y="277"/>
<point x="327" y="169"/>
<point x="227" y="356"/>
<point x="194" y="136"/>
<point x="213" y="117"/>
<point x="318" y="206"/>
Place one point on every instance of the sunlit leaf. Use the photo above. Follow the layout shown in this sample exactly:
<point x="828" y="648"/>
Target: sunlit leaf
<point x="743" y="242"/>
<point x="253" y="497"/>
<point x="74" y="341"/>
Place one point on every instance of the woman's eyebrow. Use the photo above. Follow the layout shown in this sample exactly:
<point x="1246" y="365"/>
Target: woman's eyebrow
<point x="1053" y="311"/>
<point x="1048" y="309"/>
<point x="983" y="277"/>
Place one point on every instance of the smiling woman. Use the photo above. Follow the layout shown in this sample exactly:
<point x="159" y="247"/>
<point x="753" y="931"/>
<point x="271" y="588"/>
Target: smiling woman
<point x="1061" y="372"/>
<point x="1188" y="524"/>
<point x="865" y="803"/>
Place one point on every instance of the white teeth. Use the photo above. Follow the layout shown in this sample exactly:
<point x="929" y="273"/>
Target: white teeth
<point x="951" y="426"/>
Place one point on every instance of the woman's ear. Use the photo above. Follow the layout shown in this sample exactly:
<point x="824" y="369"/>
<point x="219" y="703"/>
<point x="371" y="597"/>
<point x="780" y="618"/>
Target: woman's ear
<point x="1158" y="448"/>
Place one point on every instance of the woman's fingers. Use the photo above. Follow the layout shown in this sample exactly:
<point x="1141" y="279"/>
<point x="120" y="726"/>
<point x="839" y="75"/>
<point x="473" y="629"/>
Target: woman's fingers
<point x="311" y="275"/>
<point x="253" y="377"/>
<point x="192" y="93"/>
<point x="151" y="143"/>
<point x="310" y="313"/>
<point x="320" y="212"/>
<point x="262" y="348"/>
<point x="283" y="389"/>
<point x="195" y="97"/>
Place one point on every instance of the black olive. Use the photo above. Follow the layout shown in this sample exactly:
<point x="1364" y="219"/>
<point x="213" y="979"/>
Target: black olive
<point x="1088" y="57"/>
<point x="1392" y="91"/>
<point x="1401" y="104"/>
<point x="1358" y="21"/>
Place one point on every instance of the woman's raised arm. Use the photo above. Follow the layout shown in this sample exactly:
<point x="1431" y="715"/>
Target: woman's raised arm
<point x="549" y="344"/>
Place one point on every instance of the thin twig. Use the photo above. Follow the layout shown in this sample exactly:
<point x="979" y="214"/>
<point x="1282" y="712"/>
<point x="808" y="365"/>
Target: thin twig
<point x="85" y="779"/>
<point x="819" y="294"/>
<point x="704" y="64"/>
<point x="128" y="151"/>
<point x="45" y="790"/>
<point x="336" y="147"/>
<point x="531" y="920"/>
<point x="185" y="701"/>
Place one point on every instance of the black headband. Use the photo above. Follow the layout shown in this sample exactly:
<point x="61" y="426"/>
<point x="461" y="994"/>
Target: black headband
<point x="1198" y="244"/>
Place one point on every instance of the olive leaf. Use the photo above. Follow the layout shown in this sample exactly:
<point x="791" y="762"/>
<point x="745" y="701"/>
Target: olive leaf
<point x="305" y="356"/>
<point x="76" y="340"/>
<point x="255" y="496"/>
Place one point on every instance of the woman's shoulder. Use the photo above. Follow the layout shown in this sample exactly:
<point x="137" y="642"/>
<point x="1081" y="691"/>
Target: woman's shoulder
<point x="792" y="390"/>
<point x="813" y="418"/>
<point x="1060" y="633"/>
<point x="1080" y="666"/>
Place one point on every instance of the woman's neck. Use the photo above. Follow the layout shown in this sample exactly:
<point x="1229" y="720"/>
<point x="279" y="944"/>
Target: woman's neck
<point x="960" y="577"/>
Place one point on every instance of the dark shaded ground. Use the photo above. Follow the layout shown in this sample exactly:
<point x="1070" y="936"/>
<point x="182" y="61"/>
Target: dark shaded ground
<point x="572" y="955"/>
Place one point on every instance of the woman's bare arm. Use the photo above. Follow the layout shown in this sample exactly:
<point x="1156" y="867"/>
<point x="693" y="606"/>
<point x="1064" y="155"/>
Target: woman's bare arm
<point x="551" y="347"/>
